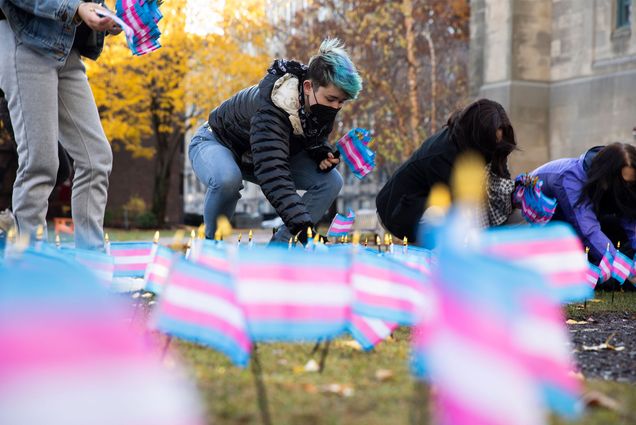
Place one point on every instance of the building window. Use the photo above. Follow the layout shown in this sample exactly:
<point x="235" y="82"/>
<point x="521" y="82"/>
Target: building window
<point x="623" y="13"/>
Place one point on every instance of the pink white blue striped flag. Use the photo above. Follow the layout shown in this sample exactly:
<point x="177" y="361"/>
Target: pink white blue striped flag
<point x="342" y="225"/>
<point x="131" y="258"/>
<point x="68" y="356"/>
<point x="291" y="295"/>
<point x="386" y="289"/>
<point x="158" y="270"/>
<point x="211" y="254"/>
<point x="200" y="305"/>
<point x="141" y="16"/>
<point x="101" y="264"/>
<point x="553" y="250"/>
<point x="500" y="317"/>
<point x="593" y="272"/>
<point x="606" y="266"/>
<point x="369" y="332"/>
<point x="417" y="258"/>
<point x="536" y="207"/>
<point x="621" y="267"/>
<point x="354" y="149"/>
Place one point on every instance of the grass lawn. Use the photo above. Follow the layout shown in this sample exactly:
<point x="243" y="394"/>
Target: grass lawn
<point x="348" y="391"/>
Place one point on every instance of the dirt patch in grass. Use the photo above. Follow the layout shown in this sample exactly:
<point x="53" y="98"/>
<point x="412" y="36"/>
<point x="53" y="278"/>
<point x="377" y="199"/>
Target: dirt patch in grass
<point x="604" y="345"/>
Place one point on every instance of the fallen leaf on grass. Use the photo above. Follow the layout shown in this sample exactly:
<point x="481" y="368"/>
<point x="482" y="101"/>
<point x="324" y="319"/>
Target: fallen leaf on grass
<point x="597" y="399"/>
<point x="311" y="366"/>
<point x="602" y="346"/>
<point x="383" y="375"/>
<point x="350" y="343"/>
<point x="342" y="390"/>
<point x="310" y="388"/>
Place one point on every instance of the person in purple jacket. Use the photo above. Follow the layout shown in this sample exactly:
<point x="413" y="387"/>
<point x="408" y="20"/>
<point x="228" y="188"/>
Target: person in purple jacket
<point x="596" y="194"/>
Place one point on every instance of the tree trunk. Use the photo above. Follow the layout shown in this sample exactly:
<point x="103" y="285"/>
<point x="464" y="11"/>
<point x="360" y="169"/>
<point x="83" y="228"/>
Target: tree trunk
<point x="431" y="47"/>
<point x="166" y="152"/>
<point x="407" y="10"/>
<point x="161" y="188"/>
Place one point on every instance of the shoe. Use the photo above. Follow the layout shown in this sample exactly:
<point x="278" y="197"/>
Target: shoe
<point x="7" y="221"/>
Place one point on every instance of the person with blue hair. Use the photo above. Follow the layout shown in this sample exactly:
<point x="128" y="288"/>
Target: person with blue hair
<point x="275" y="135"/>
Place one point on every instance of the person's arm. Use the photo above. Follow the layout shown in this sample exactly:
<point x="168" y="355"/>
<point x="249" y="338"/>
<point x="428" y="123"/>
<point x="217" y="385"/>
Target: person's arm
<point x="630" y="230"/>
<point x="69" y="12"/>
<point x="59" y="10"/>
<point x="325" y="156"/>
<point x="582" y="217"/>
<point x="269" y="140"/>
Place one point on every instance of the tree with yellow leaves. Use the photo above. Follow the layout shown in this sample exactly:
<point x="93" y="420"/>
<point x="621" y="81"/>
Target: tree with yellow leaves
<point x="148" y="104"/>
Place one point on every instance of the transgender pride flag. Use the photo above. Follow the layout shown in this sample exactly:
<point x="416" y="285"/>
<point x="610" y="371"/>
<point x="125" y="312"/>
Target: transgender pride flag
<point x="291" y="295"/>
<point x="199" y="305"/>
<point x="593" y="272"/>
<point x="369" y="332"/>
<point x="553" y="250"/>
<point x="131" y="258"/>
<point x="101" y="264"/>
<point x="621" y="267"/>
<point x="606" y="265"/>
<point x="502" y="318"/>
<point x="354" y="149"/>
<point x="158" y="270"/>
<point x="342" y="225"/>
<point x="211" y="254"/>
<point x="386" y="289"/>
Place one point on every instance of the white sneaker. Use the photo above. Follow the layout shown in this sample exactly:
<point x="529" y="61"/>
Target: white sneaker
<point x="7" y="221"/>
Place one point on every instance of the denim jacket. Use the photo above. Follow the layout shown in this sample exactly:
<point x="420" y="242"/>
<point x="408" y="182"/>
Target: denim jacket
<point x="47" y="26"/>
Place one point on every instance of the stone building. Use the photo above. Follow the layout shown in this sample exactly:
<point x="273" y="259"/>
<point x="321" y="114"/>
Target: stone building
<point x="565" y="70"/>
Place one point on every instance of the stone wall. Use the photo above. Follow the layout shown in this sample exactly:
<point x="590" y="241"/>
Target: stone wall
<point x="566" y="76"/>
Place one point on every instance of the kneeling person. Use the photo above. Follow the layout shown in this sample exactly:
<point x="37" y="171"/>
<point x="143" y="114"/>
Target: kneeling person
<point x="275" y="135"/>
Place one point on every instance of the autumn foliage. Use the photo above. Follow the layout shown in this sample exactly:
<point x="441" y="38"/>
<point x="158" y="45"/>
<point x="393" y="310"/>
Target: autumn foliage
<point x="149" y="104"/>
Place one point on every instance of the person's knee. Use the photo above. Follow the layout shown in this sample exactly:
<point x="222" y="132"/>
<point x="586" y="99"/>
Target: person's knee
<point x="43" y="168"/>
<point x="228" y="183"/>
<point x="334" y="182"/>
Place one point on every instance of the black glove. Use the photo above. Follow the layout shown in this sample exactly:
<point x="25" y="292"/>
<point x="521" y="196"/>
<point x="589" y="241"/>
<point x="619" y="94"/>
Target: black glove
<point x="321" y="152"/>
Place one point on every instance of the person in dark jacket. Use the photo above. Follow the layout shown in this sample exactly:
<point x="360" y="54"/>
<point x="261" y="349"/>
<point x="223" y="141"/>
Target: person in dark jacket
<point x="49" y="99"/>
<point x="483" y="127"/>
<point x="596" y="194"/>
<point x="275" y="134"/>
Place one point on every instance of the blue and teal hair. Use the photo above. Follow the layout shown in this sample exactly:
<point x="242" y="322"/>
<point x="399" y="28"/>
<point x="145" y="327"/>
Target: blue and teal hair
<point x="332" y="65"/>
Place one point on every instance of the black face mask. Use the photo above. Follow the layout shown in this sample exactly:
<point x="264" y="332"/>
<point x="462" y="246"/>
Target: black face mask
<point x="322" y="113"/>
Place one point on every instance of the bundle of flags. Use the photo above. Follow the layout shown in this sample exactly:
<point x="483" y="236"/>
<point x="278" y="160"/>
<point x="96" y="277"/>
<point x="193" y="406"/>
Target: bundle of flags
<point x="536" y="207"/>
<point x="354" y="149"/>
<point x="138" y="19"/>
<point x="342" y="225"/>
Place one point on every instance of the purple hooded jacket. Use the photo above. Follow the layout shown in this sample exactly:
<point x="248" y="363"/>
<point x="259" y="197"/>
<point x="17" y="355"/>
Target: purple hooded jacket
<point x="564" y="179"/>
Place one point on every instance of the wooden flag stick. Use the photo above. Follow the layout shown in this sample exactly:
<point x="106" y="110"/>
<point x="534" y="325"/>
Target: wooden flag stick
<point x="316" y="347"/>
<point x="323" y="356"/>
<point x="261" y="391"/>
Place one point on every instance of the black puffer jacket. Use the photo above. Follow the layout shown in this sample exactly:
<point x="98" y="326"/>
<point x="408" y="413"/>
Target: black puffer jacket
<point x="401" y="201"/>
<point x="260" y="135"/>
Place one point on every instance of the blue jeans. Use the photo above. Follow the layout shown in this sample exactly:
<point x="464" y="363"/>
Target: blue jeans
<point x="215" y="166"/>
